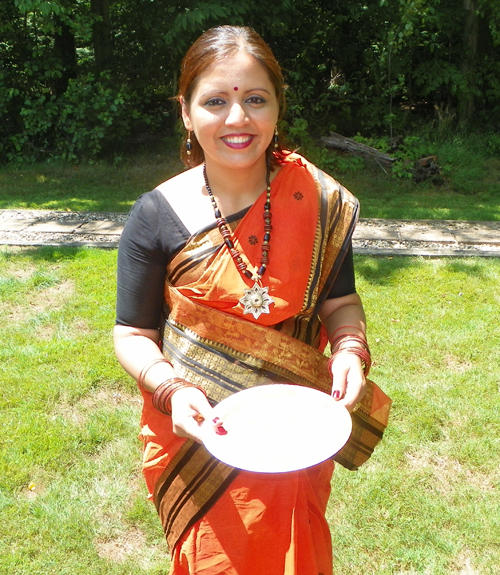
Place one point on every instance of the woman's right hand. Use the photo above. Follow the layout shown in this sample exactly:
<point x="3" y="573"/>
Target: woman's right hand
<point x="190" y="408"/>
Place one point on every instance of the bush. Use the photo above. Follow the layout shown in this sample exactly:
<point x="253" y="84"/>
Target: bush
<point x="92" y="117"/>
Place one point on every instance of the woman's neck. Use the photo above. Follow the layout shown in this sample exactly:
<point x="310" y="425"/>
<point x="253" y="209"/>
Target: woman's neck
<point x="236" y="189"/>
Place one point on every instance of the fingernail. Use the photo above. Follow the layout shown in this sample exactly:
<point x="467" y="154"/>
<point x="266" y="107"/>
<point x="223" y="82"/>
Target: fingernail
<point x="220" y="430"/>
<point x="216" y="419"/>
<point x="336" y="394"/>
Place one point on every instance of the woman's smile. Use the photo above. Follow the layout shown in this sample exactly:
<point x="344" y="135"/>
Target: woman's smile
<point x="238" y="141"/>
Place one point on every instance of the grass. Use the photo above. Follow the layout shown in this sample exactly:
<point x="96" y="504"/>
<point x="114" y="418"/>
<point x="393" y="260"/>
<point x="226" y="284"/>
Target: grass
<point x="429" y="503"/>
<point x="383" y="197"/>
<point x="71" y="497"/>
<point x="86" y="187"/>
<point x="471" y="190"/>
<point x="72" y="500"/>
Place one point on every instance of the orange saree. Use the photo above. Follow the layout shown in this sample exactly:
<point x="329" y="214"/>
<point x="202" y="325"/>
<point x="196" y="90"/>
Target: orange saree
<point x="219" y="520"/>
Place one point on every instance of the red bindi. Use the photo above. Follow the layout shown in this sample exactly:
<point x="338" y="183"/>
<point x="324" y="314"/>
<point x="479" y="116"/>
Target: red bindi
<point x="236" y="88"/>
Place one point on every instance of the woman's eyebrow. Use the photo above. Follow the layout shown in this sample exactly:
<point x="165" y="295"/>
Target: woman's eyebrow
<point x="216" y="92"/>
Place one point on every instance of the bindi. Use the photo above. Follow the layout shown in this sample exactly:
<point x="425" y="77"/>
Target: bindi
<point x="235" y="88"/>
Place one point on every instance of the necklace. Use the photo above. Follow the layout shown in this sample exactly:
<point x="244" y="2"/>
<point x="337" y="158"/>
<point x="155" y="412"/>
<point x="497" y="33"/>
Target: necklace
<point x="255" y="300"/>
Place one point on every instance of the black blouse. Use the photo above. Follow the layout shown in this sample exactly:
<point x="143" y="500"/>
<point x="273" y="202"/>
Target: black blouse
<point x="152" y="235"/>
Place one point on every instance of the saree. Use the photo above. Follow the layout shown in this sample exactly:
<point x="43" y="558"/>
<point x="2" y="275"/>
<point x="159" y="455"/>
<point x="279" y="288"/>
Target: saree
<point x="218" y="519"/>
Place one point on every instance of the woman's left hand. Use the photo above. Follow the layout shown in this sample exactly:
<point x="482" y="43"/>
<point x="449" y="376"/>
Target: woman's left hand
<point x="349" y="382"/>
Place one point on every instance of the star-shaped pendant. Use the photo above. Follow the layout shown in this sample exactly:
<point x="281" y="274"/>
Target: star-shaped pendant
<point x="256" y="300"/>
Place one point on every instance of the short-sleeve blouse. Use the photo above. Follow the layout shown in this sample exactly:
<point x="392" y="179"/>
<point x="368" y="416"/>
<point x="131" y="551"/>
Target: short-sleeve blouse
<point x="152" y="235"/>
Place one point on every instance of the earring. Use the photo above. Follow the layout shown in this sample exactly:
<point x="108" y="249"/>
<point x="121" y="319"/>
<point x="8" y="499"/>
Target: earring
<point x="189" y="145"/>
<point x="276" y="138"/>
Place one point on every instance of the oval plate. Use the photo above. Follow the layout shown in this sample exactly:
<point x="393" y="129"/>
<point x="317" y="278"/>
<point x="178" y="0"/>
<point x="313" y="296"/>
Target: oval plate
<point x="277" y="428"/>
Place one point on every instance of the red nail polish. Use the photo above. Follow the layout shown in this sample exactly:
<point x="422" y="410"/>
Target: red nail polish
<point x="336" y="394"/>
<point x="220" y="430"/>
<point x="216" y="419"/>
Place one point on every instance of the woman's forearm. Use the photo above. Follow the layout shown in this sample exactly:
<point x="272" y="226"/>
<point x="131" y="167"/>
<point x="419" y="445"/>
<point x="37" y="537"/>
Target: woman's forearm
<point x="343" y="315"/>
<point x="135" y="349"/>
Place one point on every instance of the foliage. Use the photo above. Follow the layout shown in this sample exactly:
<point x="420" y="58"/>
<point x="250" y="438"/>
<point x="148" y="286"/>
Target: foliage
<point x="77" y="124"/>
<point x="374" y="67"/>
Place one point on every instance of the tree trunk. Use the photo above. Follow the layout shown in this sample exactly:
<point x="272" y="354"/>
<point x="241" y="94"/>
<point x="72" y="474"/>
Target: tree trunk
<point x="65" y="49"/>
<point x="466" y="96"/>
<point x="101" y="34"/>
<point x="352" y="147"/>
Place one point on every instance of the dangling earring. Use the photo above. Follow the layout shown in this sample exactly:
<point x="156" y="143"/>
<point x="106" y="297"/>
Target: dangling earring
<point x="189" y="145"/>
<point x="276" y="138"/>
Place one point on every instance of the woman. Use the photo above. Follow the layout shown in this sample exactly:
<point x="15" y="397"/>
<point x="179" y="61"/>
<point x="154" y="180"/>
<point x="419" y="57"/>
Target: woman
<point x="238" y="269"/>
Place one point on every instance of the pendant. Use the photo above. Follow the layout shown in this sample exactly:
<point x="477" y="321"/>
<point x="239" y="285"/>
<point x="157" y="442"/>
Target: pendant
<point x="256" y="300"/>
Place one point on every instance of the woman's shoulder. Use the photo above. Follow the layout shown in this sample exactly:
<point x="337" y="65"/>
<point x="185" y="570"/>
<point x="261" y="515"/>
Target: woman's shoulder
<point x="181" y="184"/>
<point x="184" y="194"/>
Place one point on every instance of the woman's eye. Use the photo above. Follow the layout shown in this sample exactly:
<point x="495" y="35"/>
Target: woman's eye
<point x="256" y="100"/>
<point x="215" y="102"/>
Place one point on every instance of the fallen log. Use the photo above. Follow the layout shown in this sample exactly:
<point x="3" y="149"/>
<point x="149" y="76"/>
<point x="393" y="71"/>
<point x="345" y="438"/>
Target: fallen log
<point x="344" y="144"/>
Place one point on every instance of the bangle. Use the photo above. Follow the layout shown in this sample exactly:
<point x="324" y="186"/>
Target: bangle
<point x="146" y="368"/>
<point x="162" y="396"/>
<point x="363" y="354"/>
<point x="345" y="326"/>
<point x="341" y="339"/>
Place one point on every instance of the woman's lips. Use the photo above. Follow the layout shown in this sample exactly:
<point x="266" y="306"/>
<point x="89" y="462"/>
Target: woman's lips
<point x="238" y="141"/>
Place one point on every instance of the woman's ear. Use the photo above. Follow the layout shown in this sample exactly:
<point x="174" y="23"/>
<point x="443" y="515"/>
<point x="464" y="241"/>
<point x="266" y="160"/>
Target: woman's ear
<point x="185" y="114"/>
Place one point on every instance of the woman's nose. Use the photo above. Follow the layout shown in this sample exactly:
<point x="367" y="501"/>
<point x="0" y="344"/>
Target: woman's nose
<point x="236" y="115"/>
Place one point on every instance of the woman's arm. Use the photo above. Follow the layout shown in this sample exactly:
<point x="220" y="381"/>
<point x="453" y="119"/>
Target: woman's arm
<point x="345" y="315"/>
<point x="136" y="348"/>
<point x="145" y="248"/>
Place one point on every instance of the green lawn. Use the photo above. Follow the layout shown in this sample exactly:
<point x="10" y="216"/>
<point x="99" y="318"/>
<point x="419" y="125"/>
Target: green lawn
<point x="471" y="189"/>
<point x="94" y="187"/>
<point x="72" y="500"/>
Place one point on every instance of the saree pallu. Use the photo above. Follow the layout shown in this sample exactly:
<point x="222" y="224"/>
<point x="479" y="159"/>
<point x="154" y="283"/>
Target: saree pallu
<point x="210" y="343"/>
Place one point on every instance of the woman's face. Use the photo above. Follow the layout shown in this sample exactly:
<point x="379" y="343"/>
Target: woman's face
<point x="233" y="112"/>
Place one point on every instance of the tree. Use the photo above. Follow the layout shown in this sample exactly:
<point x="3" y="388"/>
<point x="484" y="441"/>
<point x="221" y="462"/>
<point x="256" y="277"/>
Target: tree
<point x="80" y="78"/>
<point x="101" y="34"/>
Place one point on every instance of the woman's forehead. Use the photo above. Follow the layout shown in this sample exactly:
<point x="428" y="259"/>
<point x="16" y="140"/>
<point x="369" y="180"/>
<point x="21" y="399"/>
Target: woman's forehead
<point x="235" y="70"/>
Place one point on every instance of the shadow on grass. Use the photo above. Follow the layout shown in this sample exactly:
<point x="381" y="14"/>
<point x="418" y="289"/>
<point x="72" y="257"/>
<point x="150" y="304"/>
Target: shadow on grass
<point x="380" y="270"/>
<point x="470" y="267"/>
<point x="98" y="187"/>
<point x="49" y="254"/>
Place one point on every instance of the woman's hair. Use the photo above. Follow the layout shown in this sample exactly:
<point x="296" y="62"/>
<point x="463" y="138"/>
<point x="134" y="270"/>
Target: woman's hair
<point x="213" y="46"/>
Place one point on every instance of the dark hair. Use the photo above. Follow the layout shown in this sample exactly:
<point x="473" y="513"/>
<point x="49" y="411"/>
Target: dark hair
<point x="213" y="46"/>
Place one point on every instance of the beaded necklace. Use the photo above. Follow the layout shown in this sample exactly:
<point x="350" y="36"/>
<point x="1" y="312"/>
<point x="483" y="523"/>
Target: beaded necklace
<point x="256" y="300"/>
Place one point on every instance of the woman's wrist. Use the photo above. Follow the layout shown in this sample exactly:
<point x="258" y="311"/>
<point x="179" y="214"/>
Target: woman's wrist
<point x="351" y="343"/>
<point x="162" y="395"/>
<point x="363" y="355"/>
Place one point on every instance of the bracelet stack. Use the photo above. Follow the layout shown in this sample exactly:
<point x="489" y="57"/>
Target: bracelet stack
<point x="343" y="344"/>
<point x="162" y="396"/>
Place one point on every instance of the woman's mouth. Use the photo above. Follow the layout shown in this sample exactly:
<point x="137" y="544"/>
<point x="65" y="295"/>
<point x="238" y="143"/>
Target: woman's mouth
<point x="238" y="141"/>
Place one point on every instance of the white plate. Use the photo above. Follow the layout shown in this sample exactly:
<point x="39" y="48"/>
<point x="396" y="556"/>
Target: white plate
<point x="277" y="428"/>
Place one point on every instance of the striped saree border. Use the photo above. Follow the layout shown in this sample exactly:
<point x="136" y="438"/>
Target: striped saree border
<point x="274" y="356"/>
<point x="338" y="215"/>
<point x="187" y="489"/>
<point x="369" y="421"/>
<point x="254" y="345"/>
